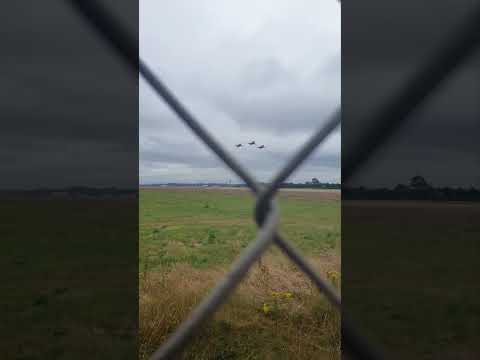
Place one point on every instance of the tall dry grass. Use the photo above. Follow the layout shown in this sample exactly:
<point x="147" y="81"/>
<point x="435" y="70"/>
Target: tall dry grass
<point x="276" y="313"/>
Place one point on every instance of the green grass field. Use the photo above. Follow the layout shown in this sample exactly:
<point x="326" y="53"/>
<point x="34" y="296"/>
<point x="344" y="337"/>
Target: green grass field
<point x="409" y="267"/>
<point x="189" y="238"/>
<point x="411" y="276"/>
<point x="65" y="261"/>
<point x="204" y="228"/>
<point x="413" y="286"/>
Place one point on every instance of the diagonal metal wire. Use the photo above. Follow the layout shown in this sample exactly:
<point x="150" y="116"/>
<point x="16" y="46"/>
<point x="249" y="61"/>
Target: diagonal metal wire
<point x="222" y="291"/>
<point x="264" y="202"/>
<point x="112" y="31"/>
<point x="88" y="8"/>
<point x="210" y="141"/>
<point x="299" y="157"/>
<point x="386" y="121"/>
<point x="109" y="28"/>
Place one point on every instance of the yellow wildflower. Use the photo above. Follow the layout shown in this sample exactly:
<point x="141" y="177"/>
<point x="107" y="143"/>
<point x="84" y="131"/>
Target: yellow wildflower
<point x="332" y="274"/>
<point x="266" y="308"/>
<point x="334" y="277"/>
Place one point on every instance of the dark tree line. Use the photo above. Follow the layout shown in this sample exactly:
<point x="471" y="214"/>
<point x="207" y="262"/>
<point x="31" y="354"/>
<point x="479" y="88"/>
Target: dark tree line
<point x="312" y="185"/>
<point x="417" y="189"/>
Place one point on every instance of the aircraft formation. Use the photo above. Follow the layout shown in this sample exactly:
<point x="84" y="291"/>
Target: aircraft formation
<point x="251" y="143"/>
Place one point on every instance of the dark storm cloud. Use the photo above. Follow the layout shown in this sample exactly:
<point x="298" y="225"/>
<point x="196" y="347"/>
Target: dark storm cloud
<point x="266" y="71"/>
<point x="68" y="103"/>
<point x="379" y="55"/>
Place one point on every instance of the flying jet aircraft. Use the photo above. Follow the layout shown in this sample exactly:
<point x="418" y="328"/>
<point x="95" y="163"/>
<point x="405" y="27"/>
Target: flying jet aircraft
<point x="261" y="146"/>
<point x="251" y="143"/>
<point x="238" y="145"/>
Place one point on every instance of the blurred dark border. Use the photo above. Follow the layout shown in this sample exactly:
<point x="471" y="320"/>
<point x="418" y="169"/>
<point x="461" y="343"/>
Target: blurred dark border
<point x="410" y="229"/>
<point x="68" y="186"/>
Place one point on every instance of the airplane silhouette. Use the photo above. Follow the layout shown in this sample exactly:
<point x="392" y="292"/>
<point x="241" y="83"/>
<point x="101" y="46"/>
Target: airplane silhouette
<point x="261" y="146"/>
<point x="238" y="145"/>
<point x="251" y="143"/>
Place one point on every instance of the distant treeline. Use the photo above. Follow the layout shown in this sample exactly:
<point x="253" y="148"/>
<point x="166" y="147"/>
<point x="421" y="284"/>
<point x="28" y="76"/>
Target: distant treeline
<point x="432" y="194"/>
<point x="193" y="185"/>
<point x="310" y="185"/>
<point x="71" y="192"/>
<point x="417" y="189"/>
<point x="306" y="185"/>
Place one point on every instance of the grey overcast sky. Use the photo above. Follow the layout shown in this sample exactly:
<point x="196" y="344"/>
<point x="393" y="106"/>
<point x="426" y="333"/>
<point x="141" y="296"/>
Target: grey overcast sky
<point x="380" y="53"/>
<point x="267" y="71"/>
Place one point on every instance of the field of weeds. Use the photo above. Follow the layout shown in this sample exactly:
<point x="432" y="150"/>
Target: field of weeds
<point x="68" y="281"/>
<point x="411" y="276"/>
<point x="188" y="239"/>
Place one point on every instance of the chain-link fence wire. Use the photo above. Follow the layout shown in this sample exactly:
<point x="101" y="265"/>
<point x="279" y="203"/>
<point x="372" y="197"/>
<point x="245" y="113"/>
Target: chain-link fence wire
<point x="385" y="122"/>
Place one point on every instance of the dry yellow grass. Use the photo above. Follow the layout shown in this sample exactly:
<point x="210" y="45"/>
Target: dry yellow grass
<point x="276" y="313"/>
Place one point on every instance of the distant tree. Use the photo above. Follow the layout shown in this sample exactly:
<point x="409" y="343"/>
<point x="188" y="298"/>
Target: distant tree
<point x="419" y="183"/>
<point x="401" y="187"/>
<point x="315" y="181"/>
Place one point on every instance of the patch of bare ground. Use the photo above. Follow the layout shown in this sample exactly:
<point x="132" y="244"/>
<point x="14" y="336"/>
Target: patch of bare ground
<point x="322" y="194"/>
<point x="311" y="194"/>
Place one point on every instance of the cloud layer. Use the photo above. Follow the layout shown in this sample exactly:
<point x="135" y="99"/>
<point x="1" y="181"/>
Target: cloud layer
<point x="266" y="71"/>
<point x="380" y="53"/>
